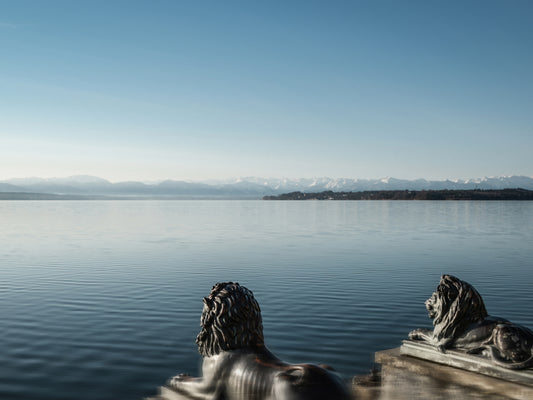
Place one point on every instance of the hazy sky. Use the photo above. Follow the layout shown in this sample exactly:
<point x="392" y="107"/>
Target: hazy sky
<point x="217" y="89"/>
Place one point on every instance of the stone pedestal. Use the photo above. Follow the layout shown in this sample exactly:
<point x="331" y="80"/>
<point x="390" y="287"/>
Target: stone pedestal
<point x="466" y="362"/>
<point x="418" y="371"/>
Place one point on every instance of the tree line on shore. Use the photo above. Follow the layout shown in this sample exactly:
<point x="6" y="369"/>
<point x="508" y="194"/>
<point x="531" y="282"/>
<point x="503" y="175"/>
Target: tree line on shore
<point x="475" y="194"/>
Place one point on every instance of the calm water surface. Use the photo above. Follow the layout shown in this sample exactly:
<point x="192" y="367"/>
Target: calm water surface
<point x="102" y="299"/>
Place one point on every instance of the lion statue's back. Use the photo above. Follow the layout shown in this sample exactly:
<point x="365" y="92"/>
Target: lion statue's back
<point x="260" y="375"/>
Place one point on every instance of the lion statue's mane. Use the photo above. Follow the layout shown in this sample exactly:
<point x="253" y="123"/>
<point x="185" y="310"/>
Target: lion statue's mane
<point x="457" y="305"/>
<point x="461" y="322"/>
<point x="238" y="366"/>
<point x="231" y="320"/>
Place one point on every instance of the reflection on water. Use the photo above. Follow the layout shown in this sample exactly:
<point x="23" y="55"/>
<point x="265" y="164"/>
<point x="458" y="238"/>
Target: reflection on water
<point x="102" y="299"/>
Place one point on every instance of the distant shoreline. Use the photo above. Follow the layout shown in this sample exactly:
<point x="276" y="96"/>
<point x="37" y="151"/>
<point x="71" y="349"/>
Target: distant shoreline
<point x="470" y="194"/>
<point x="474" y="194"/>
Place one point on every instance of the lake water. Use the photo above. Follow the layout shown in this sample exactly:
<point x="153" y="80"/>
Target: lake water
<point x="102" y="299"/>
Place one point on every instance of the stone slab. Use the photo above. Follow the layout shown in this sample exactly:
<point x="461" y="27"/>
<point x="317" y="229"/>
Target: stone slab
<point x="466" y="362"/>
<point x="407" y="378"/>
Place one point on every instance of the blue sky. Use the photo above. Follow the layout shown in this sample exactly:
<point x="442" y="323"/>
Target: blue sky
<point x="194" y="90"/>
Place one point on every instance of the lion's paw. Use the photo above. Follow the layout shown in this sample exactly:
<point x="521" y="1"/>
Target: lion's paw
<point x="175" y="380"/>
<point x="415" y="334"/>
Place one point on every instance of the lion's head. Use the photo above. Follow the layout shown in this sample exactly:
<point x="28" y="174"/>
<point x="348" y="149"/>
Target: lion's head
<point x="231" y="320"/>
<point x="453" y="306"/>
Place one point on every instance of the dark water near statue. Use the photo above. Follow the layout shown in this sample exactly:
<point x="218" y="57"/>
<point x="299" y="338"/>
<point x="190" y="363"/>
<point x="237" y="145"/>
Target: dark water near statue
<point x="102" y="300"/>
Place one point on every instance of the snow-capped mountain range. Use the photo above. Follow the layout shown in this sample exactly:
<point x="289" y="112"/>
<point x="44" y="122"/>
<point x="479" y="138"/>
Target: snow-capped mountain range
<point x="250" y="187"/>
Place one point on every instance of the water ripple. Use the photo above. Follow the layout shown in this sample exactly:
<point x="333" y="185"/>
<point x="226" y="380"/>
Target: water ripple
<point x="102" y="300"/>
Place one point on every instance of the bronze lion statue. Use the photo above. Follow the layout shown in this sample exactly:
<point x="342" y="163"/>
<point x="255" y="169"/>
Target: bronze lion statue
<point x="238" y="366"/>
<point x="462" y="323"/>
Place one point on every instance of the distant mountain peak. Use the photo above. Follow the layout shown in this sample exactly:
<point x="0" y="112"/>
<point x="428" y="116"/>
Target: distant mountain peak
<point x="80" y="179"/>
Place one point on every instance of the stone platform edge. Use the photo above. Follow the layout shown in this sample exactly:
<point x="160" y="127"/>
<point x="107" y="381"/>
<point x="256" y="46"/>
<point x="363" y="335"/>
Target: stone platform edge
<point x="467" y="362"/>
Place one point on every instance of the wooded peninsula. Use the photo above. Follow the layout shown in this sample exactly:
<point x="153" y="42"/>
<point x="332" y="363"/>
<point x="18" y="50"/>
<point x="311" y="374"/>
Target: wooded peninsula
<point x="475" y="194"/>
